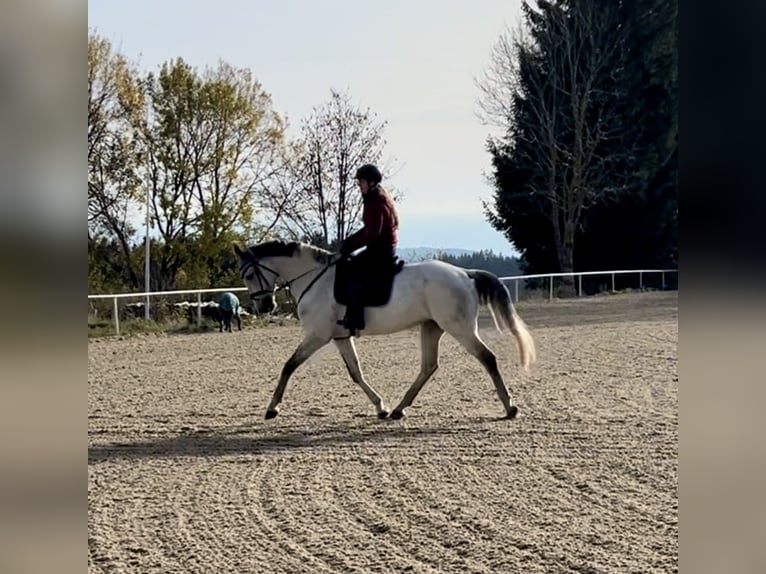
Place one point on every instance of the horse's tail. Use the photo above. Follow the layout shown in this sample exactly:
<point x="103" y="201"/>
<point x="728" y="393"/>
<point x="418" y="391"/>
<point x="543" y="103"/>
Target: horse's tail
<point x="496" y="297"/>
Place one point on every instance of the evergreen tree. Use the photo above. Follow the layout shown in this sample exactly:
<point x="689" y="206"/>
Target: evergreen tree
<point x="585" y="93"/>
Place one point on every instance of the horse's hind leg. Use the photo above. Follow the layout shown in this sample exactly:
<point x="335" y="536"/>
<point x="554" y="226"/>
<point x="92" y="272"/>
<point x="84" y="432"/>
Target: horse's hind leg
<point x="348" y="352"/>
<point x="473" y="343"/>
<point x="430" y="336"/>
<point x="306" y="348"/>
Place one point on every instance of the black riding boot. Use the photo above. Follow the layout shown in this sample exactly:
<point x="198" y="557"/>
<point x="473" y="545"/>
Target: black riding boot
<point x="354" y="319"/>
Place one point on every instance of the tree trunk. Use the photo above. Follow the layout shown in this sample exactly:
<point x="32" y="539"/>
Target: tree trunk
<point x="126" y="252"/>
<point x="566" y="261"/>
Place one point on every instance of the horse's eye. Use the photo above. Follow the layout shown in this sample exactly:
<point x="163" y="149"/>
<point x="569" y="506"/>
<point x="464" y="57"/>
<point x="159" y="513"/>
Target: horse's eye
<point x="249" y="276"/>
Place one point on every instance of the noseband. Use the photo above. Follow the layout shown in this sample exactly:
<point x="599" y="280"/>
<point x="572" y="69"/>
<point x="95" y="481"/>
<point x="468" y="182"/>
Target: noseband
<point x="258" y="268"/>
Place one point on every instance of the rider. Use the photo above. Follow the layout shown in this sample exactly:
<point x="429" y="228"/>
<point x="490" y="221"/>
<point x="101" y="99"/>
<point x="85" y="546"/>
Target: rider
<point x="379" y="235"/>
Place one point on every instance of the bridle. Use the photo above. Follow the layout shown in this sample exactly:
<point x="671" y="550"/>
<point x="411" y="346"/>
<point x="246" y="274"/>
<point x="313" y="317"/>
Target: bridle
<point x="259" y="268"/>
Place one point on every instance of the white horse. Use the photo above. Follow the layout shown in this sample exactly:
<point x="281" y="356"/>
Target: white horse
<point x="433" y="294"/>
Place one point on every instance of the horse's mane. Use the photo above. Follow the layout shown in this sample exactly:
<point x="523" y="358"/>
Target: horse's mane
<point x="279" y="248"/>
<point x="319" y="254"/>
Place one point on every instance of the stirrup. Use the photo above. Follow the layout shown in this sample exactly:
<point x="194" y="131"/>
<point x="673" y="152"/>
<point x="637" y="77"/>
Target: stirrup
<point x="352" y="330"/>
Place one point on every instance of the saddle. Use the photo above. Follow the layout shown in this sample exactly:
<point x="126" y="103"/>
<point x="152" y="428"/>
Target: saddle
<point x="373" y="286"/>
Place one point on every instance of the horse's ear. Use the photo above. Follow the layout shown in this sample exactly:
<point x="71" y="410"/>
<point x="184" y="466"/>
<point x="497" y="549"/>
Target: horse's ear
<point x="238" y="250"/>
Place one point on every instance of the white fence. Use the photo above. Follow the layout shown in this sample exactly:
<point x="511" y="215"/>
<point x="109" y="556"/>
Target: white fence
<point x="515" y="278"/>
<point x="147" y="296"/>
<point x="579" y="275"/>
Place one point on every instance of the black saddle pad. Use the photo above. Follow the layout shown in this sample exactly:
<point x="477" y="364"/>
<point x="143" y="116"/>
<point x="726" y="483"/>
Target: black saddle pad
<point x="374" y="285"/>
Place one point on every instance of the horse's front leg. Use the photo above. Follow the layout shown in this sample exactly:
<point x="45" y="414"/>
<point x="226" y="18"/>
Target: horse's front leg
<point x="348" y="352"/>
<point x="310" y="345"/>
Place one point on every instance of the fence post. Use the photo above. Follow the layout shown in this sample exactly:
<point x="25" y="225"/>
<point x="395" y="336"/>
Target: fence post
<point x="579" y="285"/>
<point x="612" y="282"/>
<point x="663" y="280"/>
<point x="516" y="289"/>
<point x="550" y="290"/>
<point x="641" y="280"/>
<point x="116" y="316"/>
<point x="199" y="309"/>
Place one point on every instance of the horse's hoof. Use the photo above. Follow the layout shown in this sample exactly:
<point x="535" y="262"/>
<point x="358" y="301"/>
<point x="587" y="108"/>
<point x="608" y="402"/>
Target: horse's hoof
<point x="382" y="414"/>
<point x="271" y="413"/>
<point x="396" y="414"/>
<point x="512" y="412"/>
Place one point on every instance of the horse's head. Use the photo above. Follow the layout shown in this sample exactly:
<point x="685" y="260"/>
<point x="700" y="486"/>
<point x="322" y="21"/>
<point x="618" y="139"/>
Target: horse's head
<point x="260" y="274"/>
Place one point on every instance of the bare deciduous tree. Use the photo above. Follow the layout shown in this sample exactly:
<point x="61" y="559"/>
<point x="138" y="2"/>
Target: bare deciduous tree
<point x="336" y="138"/>
<point x="501" y="81"/>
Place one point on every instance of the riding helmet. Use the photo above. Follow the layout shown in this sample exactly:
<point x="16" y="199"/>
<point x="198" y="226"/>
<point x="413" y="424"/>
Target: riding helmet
<point x="370" y="173"/>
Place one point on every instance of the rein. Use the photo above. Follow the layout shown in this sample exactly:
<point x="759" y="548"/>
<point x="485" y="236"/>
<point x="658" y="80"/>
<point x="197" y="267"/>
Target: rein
<point x="311" y="283"/>
<point x="258" y="266"/>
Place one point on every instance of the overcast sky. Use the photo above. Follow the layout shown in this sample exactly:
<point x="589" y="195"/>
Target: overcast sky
<point x="413" y="62"/>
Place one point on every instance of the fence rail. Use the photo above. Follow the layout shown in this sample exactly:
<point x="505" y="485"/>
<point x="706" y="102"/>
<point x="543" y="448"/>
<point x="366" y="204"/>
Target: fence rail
<point x="581" y="274"/>
<point x="115" y="297"/>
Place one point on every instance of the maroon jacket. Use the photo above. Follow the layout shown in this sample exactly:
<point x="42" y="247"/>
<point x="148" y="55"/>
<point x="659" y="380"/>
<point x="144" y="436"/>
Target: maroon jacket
<point x="381" y="223"/>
